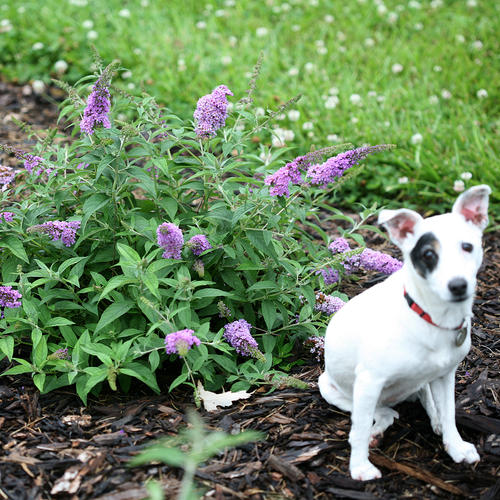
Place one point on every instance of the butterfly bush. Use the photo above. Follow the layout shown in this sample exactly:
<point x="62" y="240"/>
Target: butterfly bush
<point x="181" y="342"/>
<point x="328" y="304"/>
<point x="339" y="245"/>
<point x="211" y="112"/>
<point x="97" y="109"/>
<point x="7" y="175"/>
<point x="6" y="216"/>
<point x="330" y="276"/>
<point x="238" y="335"/>
<point x="199" y="244"/>
<point x="373" y="260"/>
<point x="9" y="298"/>
<point x="316" y="346"/>
<point x="170" y="238"/>
<point x="65" y="231"/>
<point x="31" y="162"/>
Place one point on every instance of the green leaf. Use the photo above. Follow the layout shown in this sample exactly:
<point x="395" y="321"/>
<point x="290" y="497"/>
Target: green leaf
<point x="160" y="453"/>
<point x="92" y="205"/>
<point x="112" y="312"/>
<point x="58" y="321"/>
<point x="16" y="247"/>
<point x="116" y="282"/>
<point x="269" y="313"/>
<point x="18" y="369"/>
<point x="211" y="292"/>
<point x="7" y="346"/>
<point x="128" y="254"/>
<point x="141" y="372"/>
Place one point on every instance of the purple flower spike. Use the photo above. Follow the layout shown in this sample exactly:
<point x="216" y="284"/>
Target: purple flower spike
<point x="7" y="175"/>
<point x="372" y="260"/>
<point x="97" y="109"/>
<point x="6" y="216"/>
<point x="169" y="237"/>
<point x="59" y="230"/>
<point x="238" y="335"/>
<point x="211" y="112"/>
<point x="31" y="162"/>
<point x="328" y="303"/>
<point x="9" y="298"/>
<point x="199" y="244"/>
<point x="339" y="245"/>
<point x="330" y="276"/>
<point x="335" y="167"/>
<point x="180" y="342"/>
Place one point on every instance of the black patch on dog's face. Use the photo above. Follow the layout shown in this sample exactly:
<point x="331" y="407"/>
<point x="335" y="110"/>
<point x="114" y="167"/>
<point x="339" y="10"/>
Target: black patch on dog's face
<point x="425" y="254"/>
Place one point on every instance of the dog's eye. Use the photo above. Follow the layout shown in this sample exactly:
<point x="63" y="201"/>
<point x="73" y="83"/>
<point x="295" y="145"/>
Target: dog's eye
<point x="467" y="247"/>
<point x="429" y="255"/>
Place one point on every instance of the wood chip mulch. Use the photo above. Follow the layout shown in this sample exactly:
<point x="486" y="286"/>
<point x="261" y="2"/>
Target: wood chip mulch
<point x="53" y="447"/>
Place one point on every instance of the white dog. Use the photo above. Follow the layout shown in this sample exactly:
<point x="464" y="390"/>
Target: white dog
<point x="406" y="336"/>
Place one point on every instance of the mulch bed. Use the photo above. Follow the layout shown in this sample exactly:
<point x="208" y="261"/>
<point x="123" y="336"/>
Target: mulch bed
<point x="53" y="447"/>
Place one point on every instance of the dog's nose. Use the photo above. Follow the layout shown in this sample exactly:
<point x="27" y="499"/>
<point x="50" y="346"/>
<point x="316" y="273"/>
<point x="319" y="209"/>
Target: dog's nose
<point x="457" y="287"/>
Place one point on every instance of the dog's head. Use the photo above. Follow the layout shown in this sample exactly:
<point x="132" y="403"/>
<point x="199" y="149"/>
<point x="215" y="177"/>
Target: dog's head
<point x="445" y="250"/>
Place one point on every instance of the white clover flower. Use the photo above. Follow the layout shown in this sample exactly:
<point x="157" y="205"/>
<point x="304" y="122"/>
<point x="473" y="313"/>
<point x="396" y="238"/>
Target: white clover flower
<point x="322" y="51"/>
<point x="460" y="39"/>
<point x="240" y="127"/>
<point x="276" y="9"/>
<point x="262" y="31"/>
<point x="181" y="64"/>
<point x="232" y="41"/>
<point x="295" y="27"/>
<point x="397" y="68"/>
<point x="278" y="138"/>
<point x="229" y="3"/>
<point x="369" y="42"/>
<point x="78" y="3"/>
<point x="466" y="176"/>
<point x="307" y="126"/>
<point x="416" y="138"/>
<point x="260" y="112"/>
<point x="341" y="48"/>
<point x="220" y="13"/>
<point x="38" y="86"/>
<point x="131" y="86"/>
<point x="381" y="98"/>
<point x="433" y="99"/>
<point x="230" y="107"/>
<point x="333" y="91"/>
<point x="226" y="60"/>
<point x="265" y="156"/>
<point x="60" y="66"/>
<point x="333" y="138"/>
<point x="418" y="26"/>
<point x="310" y="134"/>
<point x="356" y="99"/>
<point x="127" y="74"/>
<point x="341" y="36"/>
<point x="381" y="9"/>
<point x="289" y="135"/>
<point x="413" y="4"/>
<point x="144" y="3"/>
<point x="319" y="43"/>
<point x="92" y="35"/>
<point x="477" y="45"/>
<point x="201" y="25"/>
<point x="371" y="93"/>
<point x="331" y="102"/>
<point x="38" y="46"/>
<point x="293" y="71"/>
<point x="5" y="25"/>
<point x="437" y="68"/>
<point x="471" y="3"/>
<point x="446" y="94"/>
<point x="124" y="13"/>
<point x="313" y="3"/>
<point x="329" y="18"/>
<point x="403" y="180"/>
<point x="482" y="94"/>
<point x="309" y="67"/>
<point x="285" y="7"/>
<point x="354" y="120"/>
<point x="435" y="4"/>
<point x="21" y="9"/>
<point x="88" y="24"/>
<point x="458" y="186"/>
<point x="280" y="117"/>
<point x="392" y="17"/>
<point x="293" y="115"/>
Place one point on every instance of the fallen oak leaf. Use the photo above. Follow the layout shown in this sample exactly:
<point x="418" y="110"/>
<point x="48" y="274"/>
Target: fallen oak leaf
<point x="211" y="400"/>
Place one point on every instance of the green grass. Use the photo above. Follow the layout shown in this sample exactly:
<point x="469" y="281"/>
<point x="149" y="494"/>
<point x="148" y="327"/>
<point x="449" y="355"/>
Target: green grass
<point x="438" y="48"/>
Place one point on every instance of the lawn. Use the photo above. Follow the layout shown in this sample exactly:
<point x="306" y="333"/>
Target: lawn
<point x="416" y="74"/>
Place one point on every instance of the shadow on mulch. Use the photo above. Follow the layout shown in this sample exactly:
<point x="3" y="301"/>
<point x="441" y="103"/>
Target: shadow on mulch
<point x="53" y="447"/>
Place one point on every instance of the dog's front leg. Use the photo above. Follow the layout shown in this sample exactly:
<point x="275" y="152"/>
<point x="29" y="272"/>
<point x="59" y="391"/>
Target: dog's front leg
<point x="366" y="394"/>
<point x="443" y="393"/>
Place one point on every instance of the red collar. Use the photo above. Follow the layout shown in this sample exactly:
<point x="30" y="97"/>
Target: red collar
<point x="415" y="307"/>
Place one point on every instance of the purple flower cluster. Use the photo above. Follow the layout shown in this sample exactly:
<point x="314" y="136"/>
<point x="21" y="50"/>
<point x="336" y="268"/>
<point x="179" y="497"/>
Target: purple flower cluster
<point x="59" y="230"/>
<point x="335" y="167"/>
<point x="211" y="112"/>
<point x="97" y="109"/>
<point x="170" y="238"/>
<point x="328" y="304"/>
<point x="373" y="260"/>
<point x="281" y="179"/>
<point x="9" y="298"/>
<point x="316" y="345"/>
<point x="180" y="342"/>
<point x="60" y="354"/>
<point x="199" y="244"/>
<point x="6" y="216"/>
<point x="7" y="175"/>
<point x="339" y="245"/>
<point x="330" y="276"/>
<point x="238" y="335"/>
<point x="31" y="162"/>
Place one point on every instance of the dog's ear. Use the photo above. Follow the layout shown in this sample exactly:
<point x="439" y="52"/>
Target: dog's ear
<point x="400" y="223"/>
<point x="473" y="205"/>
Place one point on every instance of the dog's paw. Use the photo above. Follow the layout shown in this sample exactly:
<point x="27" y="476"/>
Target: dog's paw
<point x="365" y="472"/>
<point x="463" y="452"/>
